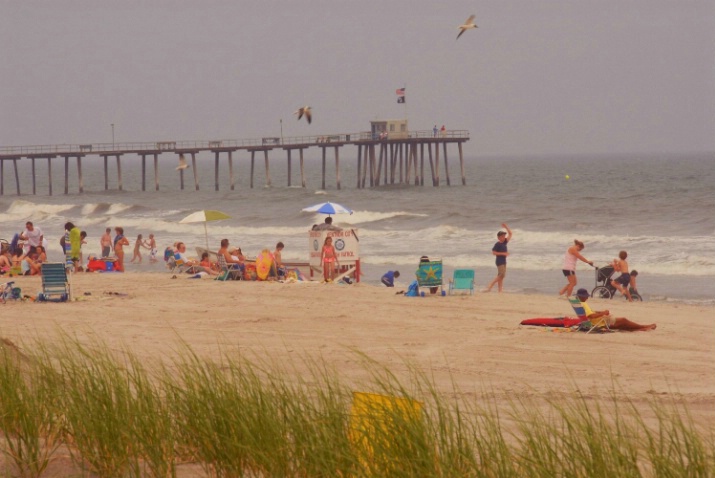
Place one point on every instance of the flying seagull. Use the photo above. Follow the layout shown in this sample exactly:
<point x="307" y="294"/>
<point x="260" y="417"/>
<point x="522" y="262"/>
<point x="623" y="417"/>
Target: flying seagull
<point x="468" y="25"/>
<point x="182" y="163"/>
<point x="304" y="111"/>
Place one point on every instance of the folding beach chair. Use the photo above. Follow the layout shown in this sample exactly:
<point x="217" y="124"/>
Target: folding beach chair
<point x="55" y="282"/>
<point x="462" y="279"/>
<point x="177" y="265"/>
<point x="227" y="272"/>
<point x="429" y="274"/>
<point x="582" y="310"/>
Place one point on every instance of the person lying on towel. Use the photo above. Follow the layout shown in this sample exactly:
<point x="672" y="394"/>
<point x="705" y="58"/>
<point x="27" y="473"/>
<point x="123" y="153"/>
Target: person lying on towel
<point x="614" y="323"/>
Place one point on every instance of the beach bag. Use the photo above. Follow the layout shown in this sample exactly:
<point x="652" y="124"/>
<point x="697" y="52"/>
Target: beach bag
<point x="413" y="290"/>
<point x="250" y="273"/>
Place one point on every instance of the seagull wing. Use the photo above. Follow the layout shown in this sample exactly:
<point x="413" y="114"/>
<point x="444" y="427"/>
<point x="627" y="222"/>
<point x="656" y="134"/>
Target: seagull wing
<point x="470" y="20"/>
<point x="182" y="163"/>
<point x="460" y="33"/>
<point x="299" y="112"/>
<point x="308" y="115"/>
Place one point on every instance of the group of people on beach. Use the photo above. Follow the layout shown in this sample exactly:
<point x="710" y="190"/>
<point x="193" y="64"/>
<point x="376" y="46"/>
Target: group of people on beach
<point x="624" y="283"/>
<point x="229" y="259"/>
<point x="113" y="248"/>
<point x="28" y="250"/>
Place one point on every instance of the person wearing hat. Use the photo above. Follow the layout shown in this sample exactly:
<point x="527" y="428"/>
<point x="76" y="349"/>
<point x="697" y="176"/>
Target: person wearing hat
<point x="615" y="323"/>
<point x="500" y="251"/>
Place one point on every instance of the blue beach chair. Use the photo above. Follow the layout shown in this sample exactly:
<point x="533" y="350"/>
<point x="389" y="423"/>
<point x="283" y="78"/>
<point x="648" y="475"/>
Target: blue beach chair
<point x="462" y="279"/>
<point x="54" y="283"/>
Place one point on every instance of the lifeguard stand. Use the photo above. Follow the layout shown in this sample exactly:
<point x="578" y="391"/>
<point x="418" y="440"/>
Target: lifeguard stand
<point x="347" y="249"/>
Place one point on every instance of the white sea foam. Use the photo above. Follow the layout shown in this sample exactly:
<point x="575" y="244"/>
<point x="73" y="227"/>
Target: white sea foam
<point x="26" y="209"/>
<point x="666" y="225"/>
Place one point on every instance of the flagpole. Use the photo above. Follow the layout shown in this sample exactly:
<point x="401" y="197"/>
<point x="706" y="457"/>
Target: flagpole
<point x="405" y="103"/>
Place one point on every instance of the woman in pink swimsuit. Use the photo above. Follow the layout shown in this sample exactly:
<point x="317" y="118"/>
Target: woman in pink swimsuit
<point x="329" y="259"/>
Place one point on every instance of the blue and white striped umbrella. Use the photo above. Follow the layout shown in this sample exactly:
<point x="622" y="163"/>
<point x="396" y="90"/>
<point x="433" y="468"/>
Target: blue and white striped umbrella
<point x="328" y="208"/>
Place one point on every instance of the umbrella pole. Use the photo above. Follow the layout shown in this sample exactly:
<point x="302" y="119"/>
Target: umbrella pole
<point x="206" y="231"/>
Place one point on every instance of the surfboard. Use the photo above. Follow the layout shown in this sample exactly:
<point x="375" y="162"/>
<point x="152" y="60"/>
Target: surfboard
<point x="263" y="265"/>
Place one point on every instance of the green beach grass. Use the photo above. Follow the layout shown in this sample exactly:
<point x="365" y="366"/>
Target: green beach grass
<point x="241" y="416"/>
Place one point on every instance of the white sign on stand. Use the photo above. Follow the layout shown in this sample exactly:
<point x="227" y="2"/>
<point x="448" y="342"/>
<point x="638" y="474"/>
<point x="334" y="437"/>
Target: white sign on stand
<point x="347" y="249"/>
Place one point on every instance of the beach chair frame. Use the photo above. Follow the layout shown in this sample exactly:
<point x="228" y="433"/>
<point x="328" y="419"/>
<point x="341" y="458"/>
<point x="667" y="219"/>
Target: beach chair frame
<point x="234" y="273"/>
<point x="55" y="283"/>
<point x="462" y="279"/>
<point x="580" y="310"/>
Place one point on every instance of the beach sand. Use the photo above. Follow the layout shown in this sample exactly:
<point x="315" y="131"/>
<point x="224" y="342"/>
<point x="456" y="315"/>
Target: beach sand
<point x="475" y="342"/>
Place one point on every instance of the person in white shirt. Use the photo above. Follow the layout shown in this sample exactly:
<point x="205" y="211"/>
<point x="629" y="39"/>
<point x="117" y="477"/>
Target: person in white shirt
<point x="33" y="235"/>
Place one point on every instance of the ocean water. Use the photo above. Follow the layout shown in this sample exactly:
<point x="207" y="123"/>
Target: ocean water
<point x="659" y="208"/>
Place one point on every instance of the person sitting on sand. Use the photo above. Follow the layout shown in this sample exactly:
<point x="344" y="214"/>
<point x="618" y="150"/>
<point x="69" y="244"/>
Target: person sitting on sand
<point x="30" y="266"/>
<point x="614" y="323"/>
<point x="5" y="261"/>
<point x="210" y="267"/>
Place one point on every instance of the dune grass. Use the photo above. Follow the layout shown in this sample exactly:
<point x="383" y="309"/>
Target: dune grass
<point x="251" y="417"/>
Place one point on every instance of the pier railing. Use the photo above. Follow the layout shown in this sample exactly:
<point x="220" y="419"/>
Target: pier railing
<point x="266" y="141"/>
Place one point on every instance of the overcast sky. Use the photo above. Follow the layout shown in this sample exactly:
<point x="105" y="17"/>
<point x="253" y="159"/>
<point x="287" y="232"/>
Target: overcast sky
<point x="537" y="76"/>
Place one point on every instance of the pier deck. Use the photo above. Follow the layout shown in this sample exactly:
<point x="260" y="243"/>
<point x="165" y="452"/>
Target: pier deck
<point x="397" y="158"/>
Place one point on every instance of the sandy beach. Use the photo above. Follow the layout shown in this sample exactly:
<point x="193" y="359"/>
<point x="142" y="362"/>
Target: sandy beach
<point x="475" y="341"/>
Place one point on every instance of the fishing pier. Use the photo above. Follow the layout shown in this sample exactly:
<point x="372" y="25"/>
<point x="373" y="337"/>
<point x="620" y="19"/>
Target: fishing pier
<point x="381" y="159"/>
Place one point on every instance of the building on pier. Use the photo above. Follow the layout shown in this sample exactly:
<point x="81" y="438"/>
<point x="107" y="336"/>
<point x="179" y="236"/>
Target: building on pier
<point x="389" y="129"/>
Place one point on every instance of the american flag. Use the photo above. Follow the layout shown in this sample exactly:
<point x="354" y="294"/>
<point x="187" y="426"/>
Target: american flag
<point x="400" y="91"/>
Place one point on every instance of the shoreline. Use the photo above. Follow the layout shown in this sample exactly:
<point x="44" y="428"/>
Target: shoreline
<point x="518" y="281"/>
<point x="472" y="342"/>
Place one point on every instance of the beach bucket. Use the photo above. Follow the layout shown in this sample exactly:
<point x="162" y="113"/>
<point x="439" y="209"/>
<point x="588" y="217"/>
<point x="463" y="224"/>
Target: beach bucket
<point x="110" y="266"/>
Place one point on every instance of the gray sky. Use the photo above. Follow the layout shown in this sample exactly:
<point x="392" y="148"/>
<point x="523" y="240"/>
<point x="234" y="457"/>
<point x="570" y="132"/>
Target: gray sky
<point x="537" y="76"/>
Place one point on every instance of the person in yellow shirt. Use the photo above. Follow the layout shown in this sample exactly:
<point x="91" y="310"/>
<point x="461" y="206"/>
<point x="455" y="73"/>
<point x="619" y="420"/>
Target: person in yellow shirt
<point x="614" y="323"/>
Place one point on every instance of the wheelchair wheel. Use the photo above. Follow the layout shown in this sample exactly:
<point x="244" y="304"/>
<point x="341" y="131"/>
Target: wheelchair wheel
<point x="601" y="292"/>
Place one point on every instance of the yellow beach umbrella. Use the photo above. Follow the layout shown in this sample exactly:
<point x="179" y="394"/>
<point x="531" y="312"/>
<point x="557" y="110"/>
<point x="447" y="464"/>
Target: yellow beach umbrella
<point x="205" y="216"/>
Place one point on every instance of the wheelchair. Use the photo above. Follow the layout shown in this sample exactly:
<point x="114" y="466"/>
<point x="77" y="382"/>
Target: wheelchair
<point x="604" y="289"/>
